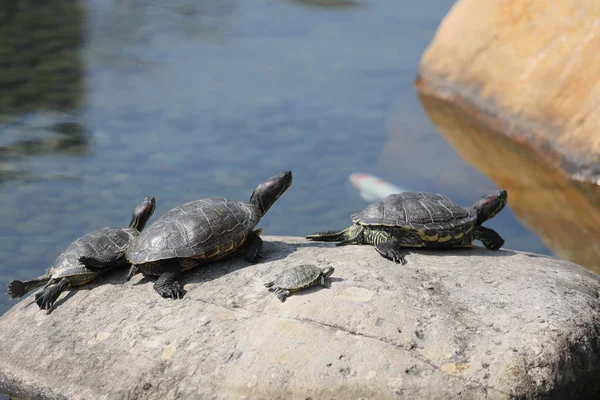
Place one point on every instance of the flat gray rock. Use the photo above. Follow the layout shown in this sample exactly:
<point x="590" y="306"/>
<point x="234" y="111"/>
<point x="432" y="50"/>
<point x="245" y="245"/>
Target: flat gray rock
<point x="460" y="324"/>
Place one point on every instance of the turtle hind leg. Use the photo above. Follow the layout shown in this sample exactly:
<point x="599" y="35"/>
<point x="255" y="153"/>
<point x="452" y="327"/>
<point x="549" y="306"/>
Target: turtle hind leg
<point x="489" y="237"/>
<point x="282" y="294"/>
<point x="254" y="245"/>
<point x="18" y="288"/>
<point x="328" y="236"/>
<point x="351" y="235"/>
<point x="391" y="250"/>
<point x="45" y="299"/>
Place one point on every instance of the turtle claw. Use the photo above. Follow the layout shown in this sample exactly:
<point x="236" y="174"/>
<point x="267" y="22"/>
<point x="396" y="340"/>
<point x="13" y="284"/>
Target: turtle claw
<point x="170" y="292"/>
<point x="45" y="300"/>
<point x="168" y="286"/>
<point x="176" y="292"/>
<point x="391" y="253"/>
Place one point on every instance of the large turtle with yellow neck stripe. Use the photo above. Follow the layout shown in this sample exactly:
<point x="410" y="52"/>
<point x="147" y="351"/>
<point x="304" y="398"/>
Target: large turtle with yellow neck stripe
<point x="418" y="219"/>
<point x="203" y="231"/>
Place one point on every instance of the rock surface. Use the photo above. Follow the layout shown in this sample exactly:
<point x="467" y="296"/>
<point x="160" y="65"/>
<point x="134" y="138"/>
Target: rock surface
<point x="527" y="67"/>
<point x="466" y="324"/>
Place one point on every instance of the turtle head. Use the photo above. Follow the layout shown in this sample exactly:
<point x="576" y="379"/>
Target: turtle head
<point x="142" y="213"/>
<point x="270" y="190"/>
<point x="327" y="271"/>
<point x="490" y="205"/>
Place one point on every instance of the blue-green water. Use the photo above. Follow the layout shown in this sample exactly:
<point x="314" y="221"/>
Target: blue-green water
<point x="207" y="98"/>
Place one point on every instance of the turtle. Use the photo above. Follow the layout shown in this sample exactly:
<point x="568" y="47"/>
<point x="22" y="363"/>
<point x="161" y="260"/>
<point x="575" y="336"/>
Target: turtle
<point x="200" y="232"/>
<point x="419" y="219"/>
<point x="297" y="278"/>
<point x="77" y="265"/>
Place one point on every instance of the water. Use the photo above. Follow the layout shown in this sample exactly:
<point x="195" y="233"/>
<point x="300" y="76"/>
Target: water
<point x="207" y="98"/>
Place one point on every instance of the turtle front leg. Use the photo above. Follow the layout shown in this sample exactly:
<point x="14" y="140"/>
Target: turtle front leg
<point x="489" y="237"/>
<point x="391" y="245"/>
<point x="391" y="250"/>
<point x="282" y="294"/>
<point x="18" y="288"/>
<point x="45" y="299"/>
<point x="254" y="245"/>
<point x="323" y="282"/>
<point x="167" y="284"/>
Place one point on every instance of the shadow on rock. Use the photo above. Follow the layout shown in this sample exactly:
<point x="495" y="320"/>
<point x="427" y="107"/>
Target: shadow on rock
<point x="62" y="300"/>
<point x="271" y="251"/>
<point x="476" y="251"/>
<point x="470" y="252"/>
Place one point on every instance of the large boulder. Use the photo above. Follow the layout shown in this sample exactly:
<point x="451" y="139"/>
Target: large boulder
<point x="512" y="86"/>
<point x="529" y="65"/>
<point x="466" y="324"/>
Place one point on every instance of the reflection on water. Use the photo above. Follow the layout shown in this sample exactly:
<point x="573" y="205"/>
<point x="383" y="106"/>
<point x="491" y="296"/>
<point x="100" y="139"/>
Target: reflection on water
<point x="68" y="138"/>
<point x="125" y="31"/>
<point x="40" y="73"/>
<point x="39" y="56"/>
<point x="22" y="140"/>
<point x="414" y="148"/>
<point x="563" y="212"/>
<point x="328" y="3"/>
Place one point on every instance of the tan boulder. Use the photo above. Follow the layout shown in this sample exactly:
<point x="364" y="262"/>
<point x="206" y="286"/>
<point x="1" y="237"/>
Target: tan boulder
<point x="533" y="66"/>
<point x="514" y="86"/>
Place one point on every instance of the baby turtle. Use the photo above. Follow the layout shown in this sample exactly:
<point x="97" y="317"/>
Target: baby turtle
<point x="203" y="231"/>
<point x="417" y="219"/>
<point x="298" y="278"/>
<point x="77" y="265"/>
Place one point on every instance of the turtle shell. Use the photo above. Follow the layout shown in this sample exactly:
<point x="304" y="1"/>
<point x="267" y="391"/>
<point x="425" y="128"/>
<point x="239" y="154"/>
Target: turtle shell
<point x="297" y="277"/>
<point x="105" y="243"/>
<point x="428" y="214"/>
<point x="211" y="228"/>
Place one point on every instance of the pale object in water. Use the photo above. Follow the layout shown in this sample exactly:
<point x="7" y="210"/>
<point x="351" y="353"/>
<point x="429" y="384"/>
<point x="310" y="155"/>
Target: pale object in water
<point x="372" y="188"/>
